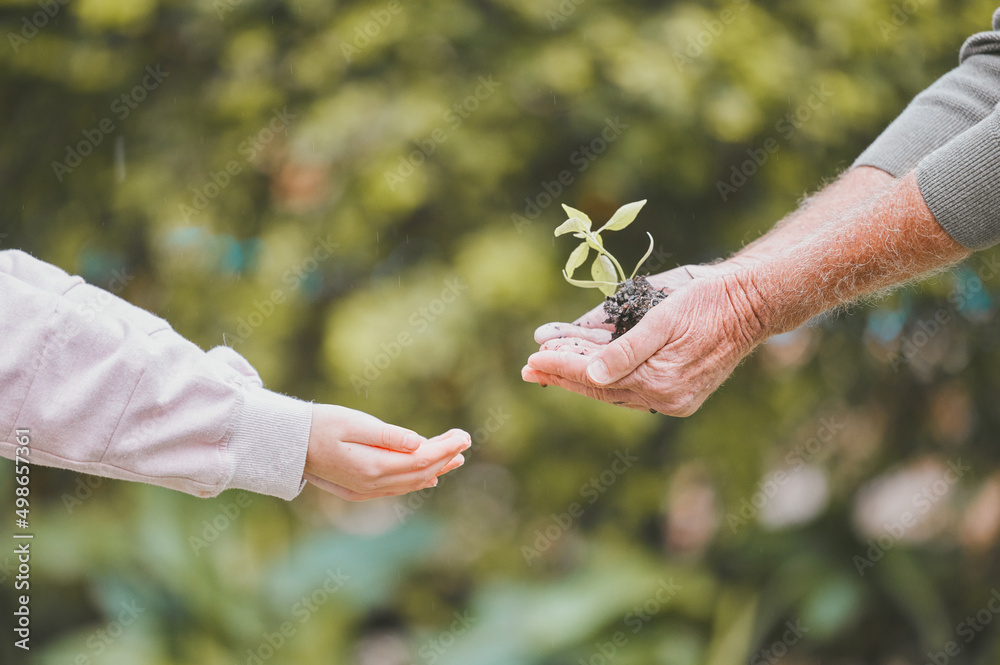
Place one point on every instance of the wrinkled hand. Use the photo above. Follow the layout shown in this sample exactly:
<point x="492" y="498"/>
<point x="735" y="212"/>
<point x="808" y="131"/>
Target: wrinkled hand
<point x="677" y="356"/>
<point x="358" y="457"/>
<point x="668" y="281"/>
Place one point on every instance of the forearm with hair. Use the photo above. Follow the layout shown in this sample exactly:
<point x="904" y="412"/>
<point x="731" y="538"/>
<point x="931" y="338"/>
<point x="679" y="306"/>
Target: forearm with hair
<point x="831" y="202"/>
<point x="887" y="239"/>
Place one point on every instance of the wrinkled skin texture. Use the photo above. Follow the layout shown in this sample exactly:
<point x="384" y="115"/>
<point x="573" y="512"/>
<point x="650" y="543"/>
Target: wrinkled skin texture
<point x="681" y="351"/>
<point x="864" y="233"/>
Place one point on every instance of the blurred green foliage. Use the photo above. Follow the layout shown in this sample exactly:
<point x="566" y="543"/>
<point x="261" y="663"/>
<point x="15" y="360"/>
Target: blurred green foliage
<point x="429" y="145"/>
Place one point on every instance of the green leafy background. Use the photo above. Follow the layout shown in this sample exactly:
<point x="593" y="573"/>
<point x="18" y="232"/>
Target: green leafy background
<point x="546" y="548"/>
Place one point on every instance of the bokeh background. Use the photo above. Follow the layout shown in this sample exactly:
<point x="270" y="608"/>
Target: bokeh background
<point x="360" y="196"/>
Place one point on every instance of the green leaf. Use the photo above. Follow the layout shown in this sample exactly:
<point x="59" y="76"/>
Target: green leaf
<point x="603" y="271"/>
<point x="573" y="212"/>
<point x="571" y="225"/>
<point x="577" y="258"/>
<point x="587" y="284"/>
<point x="623" y="216"/>
<point x="593" y="241"/>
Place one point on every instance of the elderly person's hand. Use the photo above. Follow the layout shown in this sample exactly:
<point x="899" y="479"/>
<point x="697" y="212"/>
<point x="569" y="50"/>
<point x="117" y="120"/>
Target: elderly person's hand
<point x="865" y="233"/>
<point x="668" y="282"/>
<point x="676" y="356"/>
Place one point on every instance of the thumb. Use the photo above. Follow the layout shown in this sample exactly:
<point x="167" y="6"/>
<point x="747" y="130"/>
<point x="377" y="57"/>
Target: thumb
<point x="621" y="357"/>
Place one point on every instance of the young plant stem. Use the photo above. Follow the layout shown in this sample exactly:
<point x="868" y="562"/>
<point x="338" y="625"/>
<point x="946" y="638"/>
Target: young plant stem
<point x="599" y="246"/>
<point x="644" y="256"/>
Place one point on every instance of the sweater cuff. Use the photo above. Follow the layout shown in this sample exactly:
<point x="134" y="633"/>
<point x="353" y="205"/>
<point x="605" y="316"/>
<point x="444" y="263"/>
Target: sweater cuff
<point x="983" y="42"/>
<point x="954" y="103"/>
<point x="911" y="136"/>
<point x="269" y="443"/>
<point x="961" y="185"/>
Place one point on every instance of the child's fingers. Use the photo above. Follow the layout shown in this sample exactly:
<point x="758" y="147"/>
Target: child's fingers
<point x="455" y="462"/>
<point x="343" y="492"/>
<point x="413" y="480"/>
<point x="454" y="432"/>
<point x="366" y="429"/>
<point x="400" y="439"/>
<point x="415" y="470"/>
<point x="365" y="469"/>
<point x="437" y="452"/>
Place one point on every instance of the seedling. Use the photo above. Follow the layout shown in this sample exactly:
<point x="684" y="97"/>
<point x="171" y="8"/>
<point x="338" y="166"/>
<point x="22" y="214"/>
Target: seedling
<point x="627" y="298"/>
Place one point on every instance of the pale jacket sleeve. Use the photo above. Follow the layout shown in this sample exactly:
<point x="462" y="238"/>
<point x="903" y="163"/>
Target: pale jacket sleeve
<point x="107" y="388"/>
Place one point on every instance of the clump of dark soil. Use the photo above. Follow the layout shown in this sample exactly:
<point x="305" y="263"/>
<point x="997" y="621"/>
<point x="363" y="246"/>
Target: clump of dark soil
<point x="630" y="303"/>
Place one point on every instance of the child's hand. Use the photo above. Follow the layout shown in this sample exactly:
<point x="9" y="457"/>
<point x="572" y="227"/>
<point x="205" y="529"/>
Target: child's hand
<point x="358" y="457"/>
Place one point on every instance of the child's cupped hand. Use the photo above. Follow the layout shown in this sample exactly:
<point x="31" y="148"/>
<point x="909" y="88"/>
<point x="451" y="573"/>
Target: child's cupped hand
<point x="358" y="457"/>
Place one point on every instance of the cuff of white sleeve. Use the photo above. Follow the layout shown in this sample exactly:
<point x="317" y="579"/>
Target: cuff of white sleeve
<point x="269" y="443"/>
